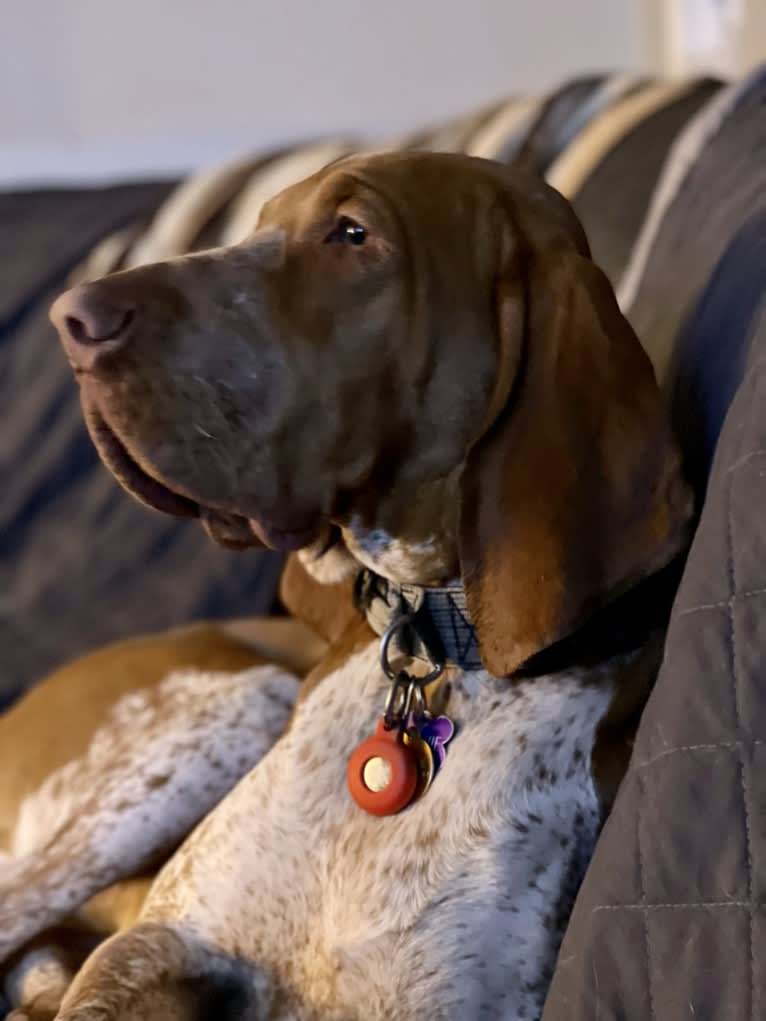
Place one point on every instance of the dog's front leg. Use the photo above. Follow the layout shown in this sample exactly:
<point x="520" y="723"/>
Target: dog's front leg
<point x="161" y="763"/>
<point x="156" y="972"/>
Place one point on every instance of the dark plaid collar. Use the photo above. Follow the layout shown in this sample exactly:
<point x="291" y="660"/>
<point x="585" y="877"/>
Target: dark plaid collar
<point x="438" y="629"/>
<point x="438" y="625"/>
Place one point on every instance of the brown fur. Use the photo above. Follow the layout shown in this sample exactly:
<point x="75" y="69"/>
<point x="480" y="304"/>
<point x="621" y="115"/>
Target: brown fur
<point x="327" y="609"/>
<point x="575" y="494"/>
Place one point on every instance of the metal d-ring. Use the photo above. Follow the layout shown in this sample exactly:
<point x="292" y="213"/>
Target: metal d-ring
<point x="405" y="620"/>
<point x="416" y="700"/>
<point x="397" y="705"/>
<point x="397" y="625"/>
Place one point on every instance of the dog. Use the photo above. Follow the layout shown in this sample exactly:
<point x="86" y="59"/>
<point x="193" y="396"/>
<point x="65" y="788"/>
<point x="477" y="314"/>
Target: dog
<point x="413" y="374"/>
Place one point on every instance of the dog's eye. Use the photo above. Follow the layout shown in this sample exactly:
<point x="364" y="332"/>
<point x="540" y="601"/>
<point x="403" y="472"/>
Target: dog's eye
<point x="347" y="231"/>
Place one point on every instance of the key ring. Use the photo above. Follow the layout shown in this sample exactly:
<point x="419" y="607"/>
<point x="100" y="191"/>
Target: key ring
<point x="399" y="624"/>
<point x="398" y="700"/>
<point x="405" y="696"/>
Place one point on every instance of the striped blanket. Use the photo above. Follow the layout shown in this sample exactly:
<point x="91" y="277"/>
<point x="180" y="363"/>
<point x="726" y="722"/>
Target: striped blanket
<point x="600" y="140"/>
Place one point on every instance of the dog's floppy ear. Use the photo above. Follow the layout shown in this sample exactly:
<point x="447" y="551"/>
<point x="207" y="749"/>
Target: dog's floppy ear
<point x="574" y="492"/>
<point x="327" y="608"/>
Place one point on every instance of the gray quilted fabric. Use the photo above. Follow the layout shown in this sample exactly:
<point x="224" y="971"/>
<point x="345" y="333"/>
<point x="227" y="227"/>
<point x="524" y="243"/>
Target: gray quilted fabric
<point x="670" y="922"/>
<point x="719" y="189"/>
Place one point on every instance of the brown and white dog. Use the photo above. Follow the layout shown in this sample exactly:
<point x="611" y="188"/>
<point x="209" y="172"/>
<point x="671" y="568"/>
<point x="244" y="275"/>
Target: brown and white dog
<point x="412" y="366"/>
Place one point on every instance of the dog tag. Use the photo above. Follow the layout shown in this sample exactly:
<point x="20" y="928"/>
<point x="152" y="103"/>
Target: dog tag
<point x="425" y="756"/>
<point x="437" y="732"/>
<point x="384" y="771"/>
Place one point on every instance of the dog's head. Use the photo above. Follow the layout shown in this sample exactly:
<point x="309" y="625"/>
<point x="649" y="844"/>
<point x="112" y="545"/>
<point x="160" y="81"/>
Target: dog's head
<point x="412" y="364"/>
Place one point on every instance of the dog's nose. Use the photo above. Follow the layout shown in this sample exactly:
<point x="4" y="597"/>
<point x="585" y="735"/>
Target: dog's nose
<point x="93" y="323"/>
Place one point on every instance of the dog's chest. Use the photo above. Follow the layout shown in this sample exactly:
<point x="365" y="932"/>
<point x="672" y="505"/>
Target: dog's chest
<point x="451" y="907"/>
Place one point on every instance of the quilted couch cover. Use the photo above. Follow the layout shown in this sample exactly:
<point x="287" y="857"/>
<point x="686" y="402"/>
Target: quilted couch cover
<point x="670" y="921"/>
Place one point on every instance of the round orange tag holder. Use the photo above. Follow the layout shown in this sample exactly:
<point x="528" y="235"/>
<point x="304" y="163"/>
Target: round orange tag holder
<point x="383" y="772"/>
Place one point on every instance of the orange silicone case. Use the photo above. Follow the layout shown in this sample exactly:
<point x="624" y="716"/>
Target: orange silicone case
<point x="397" y="761"/>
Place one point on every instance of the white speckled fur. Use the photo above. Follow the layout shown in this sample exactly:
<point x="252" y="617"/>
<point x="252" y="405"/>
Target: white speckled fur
<point x="165" y="757"/>
<point x="393" y="558"/>
<point x="402" y="562"/>
<point x="450" y="909"/>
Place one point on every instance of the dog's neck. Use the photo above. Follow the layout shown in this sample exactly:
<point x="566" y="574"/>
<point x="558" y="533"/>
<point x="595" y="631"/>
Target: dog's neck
<point x="406" y="555"/>
<point x="437" y="626"/>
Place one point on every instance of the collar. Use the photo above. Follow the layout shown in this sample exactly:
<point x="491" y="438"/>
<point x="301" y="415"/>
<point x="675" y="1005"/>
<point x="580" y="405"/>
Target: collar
<point x="433" y="625"/>
<point x="436" y="627"/>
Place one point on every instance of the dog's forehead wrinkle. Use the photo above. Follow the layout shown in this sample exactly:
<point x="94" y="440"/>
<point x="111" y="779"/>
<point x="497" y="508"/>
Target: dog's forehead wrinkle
<point x="372" y="191"/>
<point x="433" y="180"/>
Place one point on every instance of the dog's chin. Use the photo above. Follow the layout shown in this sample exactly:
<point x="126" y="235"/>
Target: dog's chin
<point x="285" y="540"/>
<point x="227" y="528"/>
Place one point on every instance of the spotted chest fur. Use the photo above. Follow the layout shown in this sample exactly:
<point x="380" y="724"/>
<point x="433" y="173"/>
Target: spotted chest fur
<point x="103" y="815"/>
<point x="454" y="907"/>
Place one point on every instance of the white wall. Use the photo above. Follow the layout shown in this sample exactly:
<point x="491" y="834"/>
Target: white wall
<point x="104" y="87"/>
<point x="725" y="37"/>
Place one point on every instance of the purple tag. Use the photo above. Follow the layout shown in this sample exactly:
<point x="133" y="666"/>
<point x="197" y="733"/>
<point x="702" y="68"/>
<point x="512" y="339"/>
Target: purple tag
<point x="437" y="732"/>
